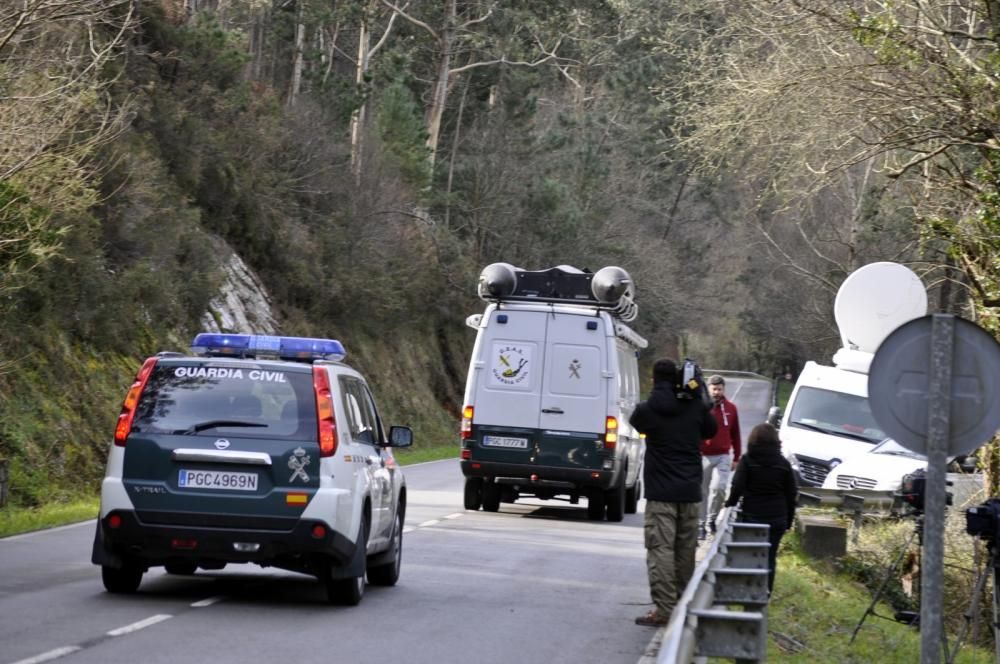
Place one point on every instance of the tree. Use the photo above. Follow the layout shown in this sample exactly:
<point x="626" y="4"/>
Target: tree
<point x="56" y="111"/>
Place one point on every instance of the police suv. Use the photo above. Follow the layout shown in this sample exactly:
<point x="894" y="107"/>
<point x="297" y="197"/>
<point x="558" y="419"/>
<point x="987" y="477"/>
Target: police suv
<point x="552" y="382"/>
<point x="253" y="449"/>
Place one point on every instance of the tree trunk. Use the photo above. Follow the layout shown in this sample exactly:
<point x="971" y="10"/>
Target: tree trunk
<point x="300" y="40"/>
<point x="440" y="98"/>
<point x="358" y="117"/>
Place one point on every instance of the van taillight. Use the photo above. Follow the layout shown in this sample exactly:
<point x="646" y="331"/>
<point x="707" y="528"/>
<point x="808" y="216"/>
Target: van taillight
<point x="467" y="413"/>
<point x="610" y="433"/>
<point x="324" y="412"/>
<point x="127" y="414"/>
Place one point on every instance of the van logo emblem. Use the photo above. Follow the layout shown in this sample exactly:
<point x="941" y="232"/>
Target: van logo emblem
<point x="574" y="369"/>
<point x="511" y="364"/>
<point x="297" y="462"/>
<point x="221" y="444"/>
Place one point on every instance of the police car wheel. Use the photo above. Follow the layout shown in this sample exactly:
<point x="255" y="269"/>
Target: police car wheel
<point x="347" y="591"/>
<point x="473" y="493"/>
<point x="183" y="569"/>
<point x="491" y="496"/>
<point x="122" y="580"/>
<point x="388" y="574"/>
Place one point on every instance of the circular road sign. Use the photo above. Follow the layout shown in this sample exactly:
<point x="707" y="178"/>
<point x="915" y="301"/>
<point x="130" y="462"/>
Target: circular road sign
<point x="899" y="381"/>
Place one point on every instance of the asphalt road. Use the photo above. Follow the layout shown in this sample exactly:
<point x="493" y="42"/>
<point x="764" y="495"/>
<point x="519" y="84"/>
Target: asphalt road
<point x="536" y="582"/>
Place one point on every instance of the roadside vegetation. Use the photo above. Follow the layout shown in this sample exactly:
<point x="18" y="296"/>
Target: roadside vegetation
<point x="816" y="606"/>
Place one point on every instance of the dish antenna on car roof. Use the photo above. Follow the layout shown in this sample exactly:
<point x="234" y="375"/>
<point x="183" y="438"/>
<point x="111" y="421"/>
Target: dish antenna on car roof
<point x="873" y="301"/>
<point x="610" y="288"/>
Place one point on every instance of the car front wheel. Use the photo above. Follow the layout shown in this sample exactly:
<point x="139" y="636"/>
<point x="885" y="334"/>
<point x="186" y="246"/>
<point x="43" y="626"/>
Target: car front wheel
<point x="388" y="574"/>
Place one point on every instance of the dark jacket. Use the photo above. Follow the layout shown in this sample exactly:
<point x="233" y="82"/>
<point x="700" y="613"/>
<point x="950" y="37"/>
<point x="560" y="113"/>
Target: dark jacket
<point x="728" y="435"/>
<point x="766" y="483"/>
<point x="674" y="430"/>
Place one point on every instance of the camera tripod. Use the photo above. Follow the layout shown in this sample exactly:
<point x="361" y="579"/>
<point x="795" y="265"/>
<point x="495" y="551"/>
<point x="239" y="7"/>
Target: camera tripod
<point x="918" y="532"/>
<point x="991" y="565"/>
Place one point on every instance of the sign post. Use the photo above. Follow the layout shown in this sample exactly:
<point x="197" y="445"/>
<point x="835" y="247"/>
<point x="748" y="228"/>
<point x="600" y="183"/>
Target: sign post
<point x="938" y="425"/>
<point x="934" y="386"/>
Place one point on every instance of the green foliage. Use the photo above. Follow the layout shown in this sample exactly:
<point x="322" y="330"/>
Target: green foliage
<point x="403" y="134"/>
<point x="815" y="608"/>
<point x="28" y="235"/>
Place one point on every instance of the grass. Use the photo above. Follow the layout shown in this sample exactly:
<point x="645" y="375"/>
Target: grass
<point x="16" y="520"/>
<point x="815" y="608"/>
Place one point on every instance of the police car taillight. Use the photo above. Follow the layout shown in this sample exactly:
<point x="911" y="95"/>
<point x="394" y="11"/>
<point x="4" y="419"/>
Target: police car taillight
<point x="131" y="401"/>
<point x="610" y="433"/>
<point x="324" y="412"/>
<point x="467" y="413"/>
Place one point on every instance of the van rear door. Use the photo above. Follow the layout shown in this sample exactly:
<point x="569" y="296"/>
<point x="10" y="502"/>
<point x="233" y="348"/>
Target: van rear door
<point x="508" y="392"/>
<point x="574" y="390"/>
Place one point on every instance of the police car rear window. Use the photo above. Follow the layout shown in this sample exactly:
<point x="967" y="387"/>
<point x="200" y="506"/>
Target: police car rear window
<point x="208" y="400"/>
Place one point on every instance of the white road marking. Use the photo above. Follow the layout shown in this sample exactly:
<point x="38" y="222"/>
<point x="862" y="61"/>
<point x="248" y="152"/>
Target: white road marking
<point x="128" y="629"/>
<point x="409" y="529"/>
<point x="208" y="601"/>
<point x="432" y="522"/>
<point x="49" y="656"/>
<point x="454" y="516"/>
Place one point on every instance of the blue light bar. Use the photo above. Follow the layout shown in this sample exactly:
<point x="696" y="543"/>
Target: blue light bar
<point x="259" y="345"/>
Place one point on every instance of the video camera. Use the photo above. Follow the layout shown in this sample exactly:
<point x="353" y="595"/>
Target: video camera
<point x="983" y="520"/>
<point x="692" y="383"/>
<point x="913" y="488"/>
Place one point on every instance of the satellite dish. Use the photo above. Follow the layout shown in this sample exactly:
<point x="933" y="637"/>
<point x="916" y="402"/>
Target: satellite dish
<point x="497" y="280"/>
<point x="874" y="300"/>
<point x="610" y="284"/>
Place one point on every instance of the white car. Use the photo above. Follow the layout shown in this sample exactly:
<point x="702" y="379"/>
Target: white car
<point x="253" y="449"/>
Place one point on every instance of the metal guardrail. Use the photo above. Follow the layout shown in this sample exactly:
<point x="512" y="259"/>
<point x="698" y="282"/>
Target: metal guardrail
<point x="733" y="573"/>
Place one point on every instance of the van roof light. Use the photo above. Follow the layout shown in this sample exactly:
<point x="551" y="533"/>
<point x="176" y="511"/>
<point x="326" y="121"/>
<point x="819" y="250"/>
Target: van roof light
<point x="303" y="349"/>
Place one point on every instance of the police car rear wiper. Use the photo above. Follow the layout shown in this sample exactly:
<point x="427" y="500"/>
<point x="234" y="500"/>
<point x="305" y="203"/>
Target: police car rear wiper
<point x="211" y="424"/>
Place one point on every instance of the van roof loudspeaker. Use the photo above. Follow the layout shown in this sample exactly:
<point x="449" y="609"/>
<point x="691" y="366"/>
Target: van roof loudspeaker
<point x="874" y="300"/>
<point x="497" y="281"/>
<point x="613" y="286"/>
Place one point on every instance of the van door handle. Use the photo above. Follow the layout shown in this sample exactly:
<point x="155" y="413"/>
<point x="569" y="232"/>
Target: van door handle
<point x="552" y="411"/>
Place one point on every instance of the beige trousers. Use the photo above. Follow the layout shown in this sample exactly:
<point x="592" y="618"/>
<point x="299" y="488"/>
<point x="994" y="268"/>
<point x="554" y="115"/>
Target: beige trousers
<point x="671" y="535"/>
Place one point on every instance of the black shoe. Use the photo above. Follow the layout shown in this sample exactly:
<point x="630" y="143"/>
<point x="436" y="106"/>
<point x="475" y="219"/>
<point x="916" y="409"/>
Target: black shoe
<point x="701" y="532"/>
<point x="711" y="526"/>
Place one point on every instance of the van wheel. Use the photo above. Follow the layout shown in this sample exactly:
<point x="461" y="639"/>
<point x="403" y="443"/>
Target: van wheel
<point x="632" y="498"/>
<point x="473" y="493"/>
<point x="595" y="506"/>
<point x="615" y="498"/>
<point x="388" y="574"/>
<point x="491" y="496"/>
<point x="183" y="569"/>
<point x="122" y="580"/>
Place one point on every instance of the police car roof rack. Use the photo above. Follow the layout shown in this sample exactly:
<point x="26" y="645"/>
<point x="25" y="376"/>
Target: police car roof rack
<point x="259" y="346"/>
<point x="610" y="288"/>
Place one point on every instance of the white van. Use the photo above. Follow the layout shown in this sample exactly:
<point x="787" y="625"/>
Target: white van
<point x="828" y="417"/>
<point x="552" y="382"/>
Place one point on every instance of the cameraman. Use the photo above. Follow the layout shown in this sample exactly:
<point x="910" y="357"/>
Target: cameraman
<point x="675" y="420"/>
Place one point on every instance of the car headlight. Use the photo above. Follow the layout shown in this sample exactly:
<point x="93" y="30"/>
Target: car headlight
<point x="794" y="460"/>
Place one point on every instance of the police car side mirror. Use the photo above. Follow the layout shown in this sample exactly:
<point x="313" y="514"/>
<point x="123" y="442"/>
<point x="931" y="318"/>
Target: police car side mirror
<point x="400" y="436"/>
<point x="774" y="416"/>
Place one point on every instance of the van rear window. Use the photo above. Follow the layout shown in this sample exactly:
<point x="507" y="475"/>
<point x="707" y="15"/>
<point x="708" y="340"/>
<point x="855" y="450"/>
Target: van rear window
<point x="245" y="401"/>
